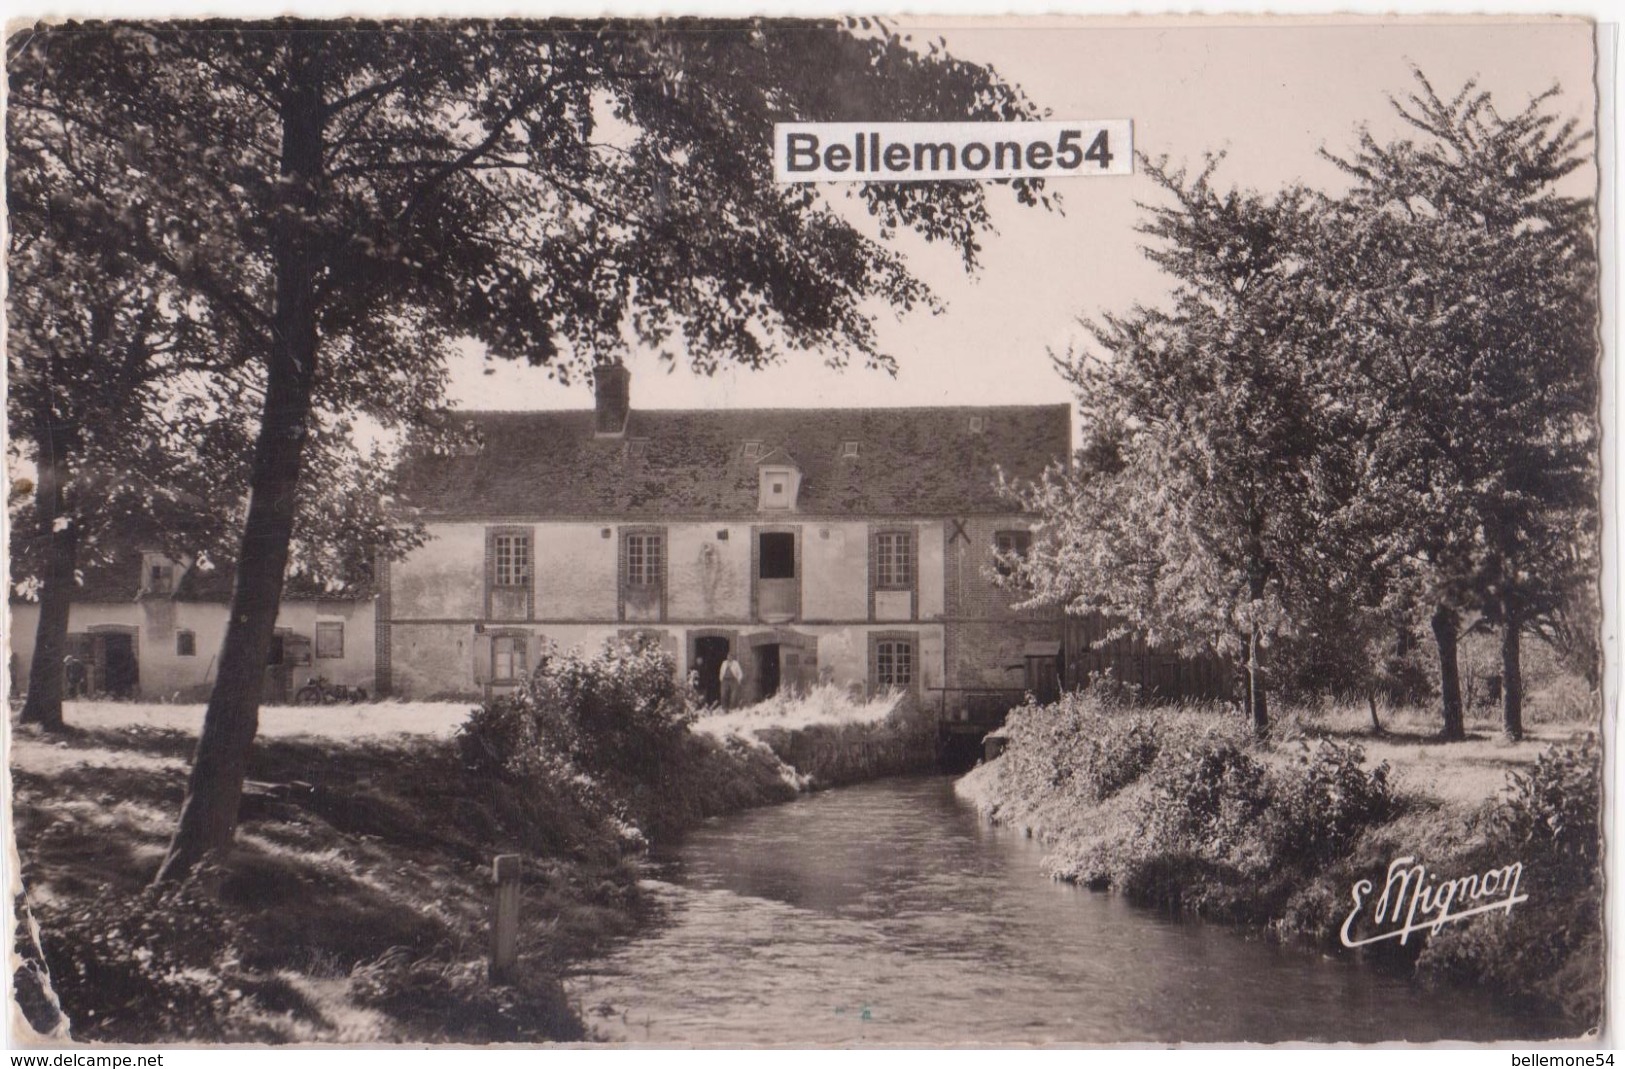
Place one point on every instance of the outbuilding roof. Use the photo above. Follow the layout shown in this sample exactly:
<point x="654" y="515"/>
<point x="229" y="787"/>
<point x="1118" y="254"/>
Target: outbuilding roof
<point x="694" y="464"/>
<point x="119" y="581"/>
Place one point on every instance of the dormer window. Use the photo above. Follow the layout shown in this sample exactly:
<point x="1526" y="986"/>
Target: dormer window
<point x="636" y="447"/>
<point x="978" y="424"/>
<point x="778" y="479"/>
<point x="849" y="450"/>
<point x="779" y="487"/>
<point x="157" y="574"/>
<point x="753" y="450"/>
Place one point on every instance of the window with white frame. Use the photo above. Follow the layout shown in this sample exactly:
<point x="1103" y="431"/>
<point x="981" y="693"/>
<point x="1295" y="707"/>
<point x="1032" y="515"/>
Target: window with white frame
<point x="645" y="553"/>
<point x="894" y="560"/>
<point x="894" y="663"/>
<point x="511" y="553"/>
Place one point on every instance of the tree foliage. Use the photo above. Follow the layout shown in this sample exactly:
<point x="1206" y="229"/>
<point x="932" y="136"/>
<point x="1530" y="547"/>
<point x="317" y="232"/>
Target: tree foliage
<point x="133" y="400"/>
<point x="1214" y="450"/>
<point x="1354" y="416"/>
<point x="350" y="197"/>
<point x="1470" y="279"/>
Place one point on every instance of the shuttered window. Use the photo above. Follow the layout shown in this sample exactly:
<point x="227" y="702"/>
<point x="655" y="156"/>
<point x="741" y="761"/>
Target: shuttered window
<point x="508" y="662"/>
<point x="330" y="640"/>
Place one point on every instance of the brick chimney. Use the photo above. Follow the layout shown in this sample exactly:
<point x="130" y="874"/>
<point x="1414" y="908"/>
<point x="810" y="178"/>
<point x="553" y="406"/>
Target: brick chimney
<point x="612" y="390"/>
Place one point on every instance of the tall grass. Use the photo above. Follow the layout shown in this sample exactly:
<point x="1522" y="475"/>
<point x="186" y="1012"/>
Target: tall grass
<point x="825" y="705"/>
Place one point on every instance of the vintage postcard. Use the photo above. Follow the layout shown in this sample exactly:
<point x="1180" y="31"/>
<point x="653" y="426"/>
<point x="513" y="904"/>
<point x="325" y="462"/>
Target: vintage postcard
<point x="832" y="532"/>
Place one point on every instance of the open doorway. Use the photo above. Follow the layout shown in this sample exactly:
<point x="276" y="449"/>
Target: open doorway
<point x="116" y="663"/>
<point x="767" y="670"/>
<point x="709" y="653"/>
<point x="80" y="676"/>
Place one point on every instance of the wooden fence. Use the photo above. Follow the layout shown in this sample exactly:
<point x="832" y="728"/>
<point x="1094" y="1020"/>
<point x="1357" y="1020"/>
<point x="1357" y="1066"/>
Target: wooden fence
<point x="1159" y="673"/>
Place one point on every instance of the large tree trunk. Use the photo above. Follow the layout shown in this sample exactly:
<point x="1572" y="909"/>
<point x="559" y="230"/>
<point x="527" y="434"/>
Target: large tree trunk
<point x="214" y="790"/>
<point x="59" y="543"/>
<point x="1257" y="698"/>
<point x="1446" y="630"/>
<point x="1511" y="670"/>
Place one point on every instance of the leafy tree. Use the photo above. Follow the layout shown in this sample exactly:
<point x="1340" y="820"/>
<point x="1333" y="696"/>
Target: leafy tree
<point x="1215" y="450"/>
<point x="351" y="195"/>
<point x="95" y="346"/>
<point x="1385" y="581"/>
<point x="1470" y="282"/>
<point x="135" y="406"/>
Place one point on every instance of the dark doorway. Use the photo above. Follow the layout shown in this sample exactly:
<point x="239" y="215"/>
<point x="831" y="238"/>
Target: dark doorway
<point x="1044" y="677"/>
<point x="84" y="679"/>
<point x="288" y="652"/>
<point x="119" y="669"/>
<point x="767" y="671"/>
<point x="778" y="555"/>
<point x="709" y="653"/>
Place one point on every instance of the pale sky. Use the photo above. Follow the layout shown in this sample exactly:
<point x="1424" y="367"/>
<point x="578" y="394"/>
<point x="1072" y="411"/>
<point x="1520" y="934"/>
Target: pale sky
<point x="1270" y="95"/>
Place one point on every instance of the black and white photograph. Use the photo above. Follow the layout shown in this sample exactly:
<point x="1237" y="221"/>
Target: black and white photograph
<point x="824" y="532"/>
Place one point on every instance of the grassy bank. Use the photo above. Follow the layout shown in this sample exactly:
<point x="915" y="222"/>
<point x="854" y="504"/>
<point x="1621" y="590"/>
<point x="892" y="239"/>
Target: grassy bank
<point x="1182" y="809"/>
<point x="354" y="908"/>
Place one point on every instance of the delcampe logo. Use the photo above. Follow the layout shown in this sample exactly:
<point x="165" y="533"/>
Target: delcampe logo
<point x="924" y="151"/>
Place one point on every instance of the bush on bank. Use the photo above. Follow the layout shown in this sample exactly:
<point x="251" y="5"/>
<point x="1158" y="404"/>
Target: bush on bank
<point x="1214" y="828"/>
<point x="1547" y="956"/>
<point x="1183" y="809"/>
<point x="612" y="730"/>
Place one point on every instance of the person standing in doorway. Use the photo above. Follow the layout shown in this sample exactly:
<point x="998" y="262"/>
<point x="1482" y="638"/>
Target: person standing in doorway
<point x="732" y="677"/>
<point x="73" y="671"/>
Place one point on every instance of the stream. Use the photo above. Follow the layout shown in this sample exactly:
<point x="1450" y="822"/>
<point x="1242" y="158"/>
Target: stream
<point x="890" y="914"/>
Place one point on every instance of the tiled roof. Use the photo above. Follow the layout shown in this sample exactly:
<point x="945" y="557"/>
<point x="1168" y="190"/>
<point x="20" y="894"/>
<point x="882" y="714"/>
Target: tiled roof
<point x="911" y="462"/>
<point x="215" y="585"/>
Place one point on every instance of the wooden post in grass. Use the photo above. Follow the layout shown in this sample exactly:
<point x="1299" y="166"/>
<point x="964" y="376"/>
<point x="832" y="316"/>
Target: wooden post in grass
<point x="505" y="919"/>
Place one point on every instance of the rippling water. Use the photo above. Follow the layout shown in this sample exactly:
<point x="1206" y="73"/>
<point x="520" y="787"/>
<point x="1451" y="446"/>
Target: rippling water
<point x="888" y="913"/>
